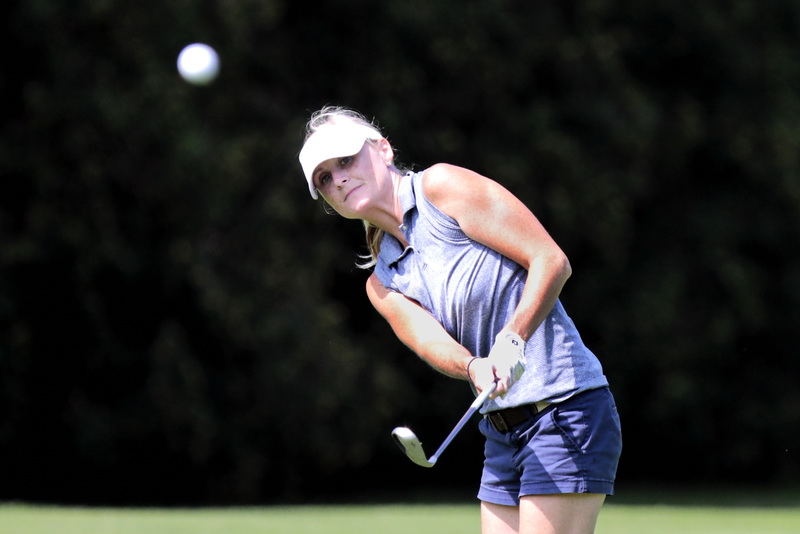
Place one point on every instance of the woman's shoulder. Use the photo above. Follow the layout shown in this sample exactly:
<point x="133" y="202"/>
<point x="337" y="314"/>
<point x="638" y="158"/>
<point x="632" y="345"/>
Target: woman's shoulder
<point x="439" y="172"/>
<point x="445" y="185"/>
<point x="438" y="179"/>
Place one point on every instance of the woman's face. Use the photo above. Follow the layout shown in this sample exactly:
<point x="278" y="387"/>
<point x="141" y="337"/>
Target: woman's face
<point x="354" y="184"/>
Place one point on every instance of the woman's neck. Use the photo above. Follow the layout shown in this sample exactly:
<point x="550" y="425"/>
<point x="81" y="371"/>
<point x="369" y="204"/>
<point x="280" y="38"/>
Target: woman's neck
<point x="390" y="219"/>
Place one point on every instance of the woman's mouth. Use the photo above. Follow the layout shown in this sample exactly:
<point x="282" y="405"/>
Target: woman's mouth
<point x="351" y="192"/>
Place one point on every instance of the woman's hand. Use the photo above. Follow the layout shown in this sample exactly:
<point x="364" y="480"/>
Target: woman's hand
<point x="504" y="365"/>
<point x="508" y="360"/>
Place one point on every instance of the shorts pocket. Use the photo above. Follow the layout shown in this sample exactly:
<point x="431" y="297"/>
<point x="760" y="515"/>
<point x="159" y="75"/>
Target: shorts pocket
<point x="572" y="428"/>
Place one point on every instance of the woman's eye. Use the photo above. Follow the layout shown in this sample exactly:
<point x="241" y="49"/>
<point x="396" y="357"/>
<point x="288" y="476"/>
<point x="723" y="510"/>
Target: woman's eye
<point x="345" y="161"/>
<point x="324" y="179"/>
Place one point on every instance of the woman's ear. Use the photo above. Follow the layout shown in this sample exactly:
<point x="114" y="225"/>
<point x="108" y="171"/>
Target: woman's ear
<point x="386" y="151"/>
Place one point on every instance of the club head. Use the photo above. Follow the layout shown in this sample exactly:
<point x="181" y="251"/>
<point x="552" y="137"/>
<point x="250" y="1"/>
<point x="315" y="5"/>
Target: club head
<point x="410" y="444"/>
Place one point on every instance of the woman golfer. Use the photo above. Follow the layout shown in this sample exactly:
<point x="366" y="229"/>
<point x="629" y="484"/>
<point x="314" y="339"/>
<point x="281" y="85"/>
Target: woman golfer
<point x="470" y="280"/>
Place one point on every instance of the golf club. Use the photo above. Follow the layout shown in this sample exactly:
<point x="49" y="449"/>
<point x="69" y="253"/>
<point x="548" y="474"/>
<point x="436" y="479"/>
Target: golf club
<point x="411" y="445"/>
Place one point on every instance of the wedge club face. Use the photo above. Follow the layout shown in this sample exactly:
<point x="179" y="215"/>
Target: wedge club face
<point x="410" y="444"/>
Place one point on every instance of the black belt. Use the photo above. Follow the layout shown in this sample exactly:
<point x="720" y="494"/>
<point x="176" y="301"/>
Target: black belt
<point x="505" y="420"/>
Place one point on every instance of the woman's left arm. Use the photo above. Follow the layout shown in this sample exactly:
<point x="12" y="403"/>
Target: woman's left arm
<point x="488" y="213"/>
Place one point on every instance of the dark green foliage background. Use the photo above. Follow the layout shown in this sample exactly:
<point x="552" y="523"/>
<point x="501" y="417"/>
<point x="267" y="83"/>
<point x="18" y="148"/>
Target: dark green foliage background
<point x="181" y="324"/>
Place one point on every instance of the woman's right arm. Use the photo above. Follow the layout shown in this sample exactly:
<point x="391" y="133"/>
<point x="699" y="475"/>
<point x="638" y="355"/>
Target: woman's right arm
<point x="419" y="330"/>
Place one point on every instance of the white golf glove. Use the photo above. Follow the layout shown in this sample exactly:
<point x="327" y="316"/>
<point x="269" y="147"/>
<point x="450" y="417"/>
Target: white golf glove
<point x="508" y="359"/>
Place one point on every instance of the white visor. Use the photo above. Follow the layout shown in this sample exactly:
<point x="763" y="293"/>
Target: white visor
<point x="333" y="141"/>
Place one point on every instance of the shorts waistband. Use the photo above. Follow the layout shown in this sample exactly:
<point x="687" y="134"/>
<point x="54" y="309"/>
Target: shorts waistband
<point x="505" y="420"/>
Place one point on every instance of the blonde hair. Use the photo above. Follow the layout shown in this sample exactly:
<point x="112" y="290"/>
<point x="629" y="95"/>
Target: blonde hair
<point x="334" y="114"/>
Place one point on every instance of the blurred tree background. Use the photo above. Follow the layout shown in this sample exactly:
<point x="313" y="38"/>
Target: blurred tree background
<point x="181" y="324"/>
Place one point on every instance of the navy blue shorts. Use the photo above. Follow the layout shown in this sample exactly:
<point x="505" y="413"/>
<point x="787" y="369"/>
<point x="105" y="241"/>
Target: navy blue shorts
<point x="570" y="447"/>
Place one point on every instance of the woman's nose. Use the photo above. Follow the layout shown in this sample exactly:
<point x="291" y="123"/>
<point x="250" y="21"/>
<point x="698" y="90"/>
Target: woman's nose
<point x="340" y="178"/>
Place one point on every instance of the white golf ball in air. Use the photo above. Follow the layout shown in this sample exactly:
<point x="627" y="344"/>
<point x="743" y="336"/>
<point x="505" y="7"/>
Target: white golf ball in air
<point x="198" y="64"/>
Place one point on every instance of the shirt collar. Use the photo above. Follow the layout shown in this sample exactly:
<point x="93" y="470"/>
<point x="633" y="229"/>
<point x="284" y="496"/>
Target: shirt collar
<point x="391" y="250"/>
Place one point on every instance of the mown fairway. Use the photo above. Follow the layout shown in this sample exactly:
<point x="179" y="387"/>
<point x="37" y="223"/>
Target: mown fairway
<point x="380" y="519"/>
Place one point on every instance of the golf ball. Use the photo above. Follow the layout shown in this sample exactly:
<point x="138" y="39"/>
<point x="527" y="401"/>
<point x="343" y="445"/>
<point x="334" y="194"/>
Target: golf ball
<point x="198" y="64"/>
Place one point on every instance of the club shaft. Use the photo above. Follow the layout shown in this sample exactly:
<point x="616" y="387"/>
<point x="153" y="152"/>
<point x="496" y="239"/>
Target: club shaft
<point x="479" y="400"/>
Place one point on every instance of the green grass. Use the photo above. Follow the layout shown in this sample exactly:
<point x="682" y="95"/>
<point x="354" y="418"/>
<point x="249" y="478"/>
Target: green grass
<point x="702" y="511"/>
<point x="273" y="520"/>
<point x="739" y="513"/>
<point x="625" y="519"/>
